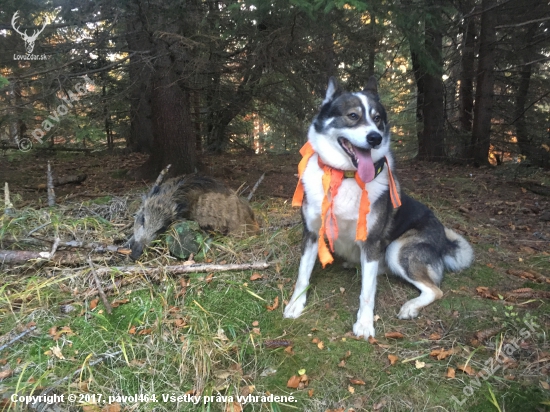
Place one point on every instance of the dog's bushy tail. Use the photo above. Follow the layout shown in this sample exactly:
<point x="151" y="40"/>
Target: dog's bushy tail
<point x="460" y="255"/>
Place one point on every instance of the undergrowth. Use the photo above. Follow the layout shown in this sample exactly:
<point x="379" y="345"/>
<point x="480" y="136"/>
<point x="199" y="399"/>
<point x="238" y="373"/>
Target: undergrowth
<point x="223" y="335"/>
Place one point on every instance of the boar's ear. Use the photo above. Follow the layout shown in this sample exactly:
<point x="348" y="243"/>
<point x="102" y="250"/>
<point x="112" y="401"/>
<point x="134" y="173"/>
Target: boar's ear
<point x="155" y="190"/>
<point x="372" y="86"/>
<point x="182" y="209"/>
<point x="333" y="90"/>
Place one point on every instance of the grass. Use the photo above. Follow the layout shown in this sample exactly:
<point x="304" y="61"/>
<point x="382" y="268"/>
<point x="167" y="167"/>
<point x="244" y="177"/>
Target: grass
<point x="201" y="335"/>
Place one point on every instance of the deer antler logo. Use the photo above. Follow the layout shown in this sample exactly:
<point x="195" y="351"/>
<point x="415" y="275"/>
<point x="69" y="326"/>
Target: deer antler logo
<point x="29" y="40"/>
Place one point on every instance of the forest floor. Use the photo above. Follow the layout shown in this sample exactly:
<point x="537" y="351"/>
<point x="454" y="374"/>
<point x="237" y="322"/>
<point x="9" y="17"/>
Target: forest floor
<point x="483" y="347"/>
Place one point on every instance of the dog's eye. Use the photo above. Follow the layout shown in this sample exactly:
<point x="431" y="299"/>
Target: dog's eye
<point x="377" y="118"/>
<point x="353" y="116"/>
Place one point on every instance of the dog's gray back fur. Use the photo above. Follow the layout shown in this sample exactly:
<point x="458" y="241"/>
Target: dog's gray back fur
<point x="200" y="198"/>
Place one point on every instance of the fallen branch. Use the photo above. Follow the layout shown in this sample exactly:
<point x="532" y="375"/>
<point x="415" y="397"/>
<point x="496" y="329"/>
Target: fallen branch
<point x="8" y="207"/>
<point x="60" y="258"/>
<point x="17" y="337"/>
<point x="92" y="246"/>
<point x="51" y="192"/>
<point x="180" y="269"/>
<point x="102" y="294"/>
<point x="197" y="268"/>
<point x="60" y="181"/>
<point x="512" y="296"/>
<point x="255" y="187"/>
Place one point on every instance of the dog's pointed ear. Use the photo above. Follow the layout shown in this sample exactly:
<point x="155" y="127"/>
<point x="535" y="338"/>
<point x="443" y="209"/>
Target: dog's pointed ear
<point x="372" y="85"/>
<point x="333" y="90"/>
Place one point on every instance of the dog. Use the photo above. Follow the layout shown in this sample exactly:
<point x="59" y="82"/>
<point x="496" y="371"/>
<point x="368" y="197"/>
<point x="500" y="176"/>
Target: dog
<point x="347" y="193"/>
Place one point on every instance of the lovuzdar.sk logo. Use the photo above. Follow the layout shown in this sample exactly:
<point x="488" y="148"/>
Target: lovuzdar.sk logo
<point x="29" y="40"/>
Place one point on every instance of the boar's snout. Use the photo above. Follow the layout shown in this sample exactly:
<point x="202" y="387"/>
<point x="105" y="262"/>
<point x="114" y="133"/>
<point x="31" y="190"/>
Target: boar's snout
<point x="137" y="250"/>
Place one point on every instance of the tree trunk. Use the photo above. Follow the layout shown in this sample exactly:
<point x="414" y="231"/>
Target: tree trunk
<point x="466" y="90"/>
<point x="173" y="135"/>
<point x="419" y="80"/>
<point x="431" y="143"/>
<point x="197" y="121"/>
<point x="140" y="72"/>
<point x="483" y="109"/>
<point x="527" y="145"/>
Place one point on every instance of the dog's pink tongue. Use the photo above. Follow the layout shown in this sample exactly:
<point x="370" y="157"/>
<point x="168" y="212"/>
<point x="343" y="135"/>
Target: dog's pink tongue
<point x="365" y="165"/>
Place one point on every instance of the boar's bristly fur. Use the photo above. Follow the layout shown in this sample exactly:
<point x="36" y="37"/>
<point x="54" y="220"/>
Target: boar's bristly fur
<point x="200" y="198"/>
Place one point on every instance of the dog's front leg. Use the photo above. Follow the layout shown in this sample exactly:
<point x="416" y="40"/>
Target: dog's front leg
<point x="297" y="302"/>
<point x="365" y="316"/>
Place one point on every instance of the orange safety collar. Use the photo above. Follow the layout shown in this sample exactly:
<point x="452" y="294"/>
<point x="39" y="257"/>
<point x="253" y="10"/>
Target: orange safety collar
<point x="332" y="179"/>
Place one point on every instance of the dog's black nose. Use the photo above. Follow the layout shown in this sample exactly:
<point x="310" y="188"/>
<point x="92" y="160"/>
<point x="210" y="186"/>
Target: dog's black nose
<point x="374" y="139"/>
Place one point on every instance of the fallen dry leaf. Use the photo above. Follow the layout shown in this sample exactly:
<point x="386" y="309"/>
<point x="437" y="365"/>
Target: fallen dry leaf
<point x="394" y="335"/>
<point x="342" y="364"/>
<point x="256" y="276"/>
<point x="310" y="393"/>
<point x="293" y="382"/>
<point x="435" y="336"/>
<point x="378" y="406"/>
<point x="275" y="304"/>
<point x="90" y="408"/>
<point x="209" y="278"/>
<point x="146" y="331"/>
<point x="6" y="373"/>
<point x="419" y="364"/>
<point x="545" y="385"/>
<point x="393" y="359"/>
<point x="119" y="302"/>
<point x="113" y="407"/>
<point x="315" y="340"/>
<point x="441" y="353"/>
<point x="255" y="323"/>
<point x="233" y="407"/>
<point x="321" y="345"/>
<point x="450" y="373"/>
<point x="56" y="351"/>
<point x="93" y="303"/>
<point x="372" y="341"/>
<point x="132" y="330"/>
<point x="351" y="389"/>
<point x="289" y="350"/>
<point x="487" y="333"/>
<point x="354" y="381"/>
<point x="466" y="369"/>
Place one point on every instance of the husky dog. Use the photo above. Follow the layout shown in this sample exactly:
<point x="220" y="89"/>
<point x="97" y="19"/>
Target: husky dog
<point x="351" y="134"/>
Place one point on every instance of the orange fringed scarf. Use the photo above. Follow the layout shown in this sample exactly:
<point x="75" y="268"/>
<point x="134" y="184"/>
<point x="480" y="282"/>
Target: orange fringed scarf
<point x="332" y="179"/>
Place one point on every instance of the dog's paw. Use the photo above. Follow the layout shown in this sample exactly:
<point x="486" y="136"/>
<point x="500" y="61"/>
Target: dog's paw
<point x="295" y="308"/>
<point x="364" y="329"/>
<point x="408" y="311"/>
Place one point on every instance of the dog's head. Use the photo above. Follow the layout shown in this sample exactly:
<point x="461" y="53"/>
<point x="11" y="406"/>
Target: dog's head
<point x="351" y="131"/>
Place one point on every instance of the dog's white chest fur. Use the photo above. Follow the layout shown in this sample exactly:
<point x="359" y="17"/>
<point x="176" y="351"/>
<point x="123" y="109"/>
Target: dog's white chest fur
<point x="345" y="206"/>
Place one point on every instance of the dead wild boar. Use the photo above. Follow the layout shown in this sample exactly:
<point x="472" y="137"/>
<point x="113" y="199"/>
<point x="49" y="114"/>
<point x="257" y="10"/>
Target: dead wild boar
<point x="200" y="198"/>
